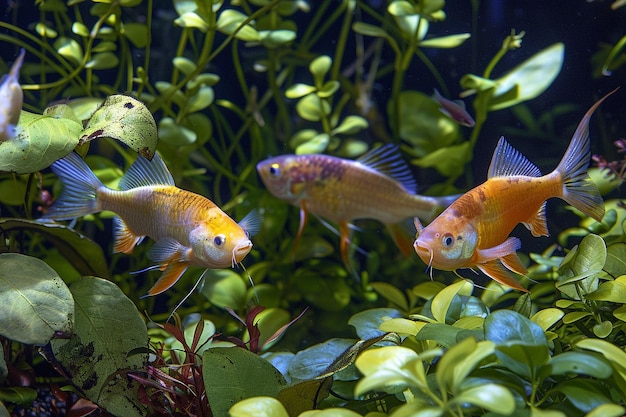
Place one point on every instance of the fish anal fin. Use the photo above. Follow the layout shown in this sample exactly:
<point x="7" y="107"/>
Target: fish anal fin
<point x="388" y="161"/>
<point x="496" y="271"/>
<point x="170" y="276"/>
<point x="508" y="247"/>
<point x="513" y="263"/>
<point x="538" y="225"/>
<point x="125" y="239"/>
<point x="507" y="161"/>
<point x="303" y="220"/>
<point x="344" y="231"/>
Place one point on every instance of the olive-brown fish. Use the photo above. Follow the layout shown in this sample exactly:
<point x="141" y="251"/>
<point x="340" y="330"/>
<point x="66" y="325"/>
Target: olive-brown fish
<point x="379" y="185"/>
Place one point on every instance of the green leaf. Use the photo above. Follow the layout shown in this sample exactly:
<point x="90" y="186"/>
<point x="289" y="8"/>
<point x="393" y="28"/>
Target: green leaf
<point x="85" y="255"/>
<point x="125" y="119"/>
<point x="423" y="125"/>
<point x="224" y="288"/>
<point x="174" y="134"/>
<point x="136" y="33"/>
<point x="234" y="374"/>
<point x="312" y="108"/>
<point x="40" y="141"/>
<point x="192" y="20"/>
<point x="351" y="125"/>
<point x="231" y="20"/>
<point x="444" y="334"/>
<point x="401" y="8"/>
<point x="391" y="294"/>
<point x="612" y="291"/>
<point x="491" y="397"/>
<point x="367" y="322"/>
<point x="607" y="410"/>
<point x="299" y="90"/>
<point x="69" y="49"/>
<point x="270" y="321"/>
<point x="258" y="407"/>
<point x="583" y="394"/>
<point x="616" y="260"/>
<point x="581" y="265"/>
<point x="547" y="317"/>
<point x="442" y="301"/>
<point x="107" y="326"/>
<point x="579" y="363"/>
<point x="450" y="41"/>
<point x="458" y="362"/>
<point x="35" y="301"/>
<point x="603" y="329"/>
<point x="201" y="100"/>
<point x="324" y="290"/>
<point x="316" y="144"/>
<point x="530" y="78"/>
<point x="449" y="161"/>
<point x="521" y="345"/>
<point x="103" y="60"/>
<point x="4" y="370"/>
<point x="369" y="30"/>
<point x="319" y="67"/>
<point x="614" y="354"/>
<point x="304" y="396"/>
<point x="184" y="65"/>
<point x="312" y="362"/>
<point x="276" y="38"/>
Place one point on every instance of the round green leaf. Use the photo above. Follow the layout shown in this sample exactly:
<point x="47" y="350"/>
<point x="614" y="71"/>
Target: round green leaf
<point x="40" y="141"/>
<point x="35" y="301"/>
<point x="312" y="108"/>
<point x="299" y="90"/>
<point x="201" y="100"/>
<point x="401" y="8"/>
<point x="612" y="291"/>
<point x="80" y="29"/>
<point x="224" y="288"/>
<point x="607" y="410"/>
<point x="258" y="407"/>
<point x="547" y="317"/>
<point x="328" y="89"/>
<point x="269" y="322"/>
<point x="367" y="322"/>
<point x="574" y="316"/>
<point x="317" y="144"/>
<point x="191" y="20"/>
<point x="603" y="329"/>
<point x="231" y="20"/>
<point x="391" y="294"/>
<point x="442" y="301"/>
<point x="319" y="67"/>
<point x="104" y="60"/>
<point x="351" y="125"/>
<point x="107" y="326"/>
<point x="136" y="33"/>
<point x="206" y="78"/>
<point x="175" y="134"/>
<point x="69" y="49"/>
<point x="330" y="412"/>
<point x="313" y="361"/>
<point x="184" y="65"/>
<point x="276" y="38"/>
<point x="127" y="120"/>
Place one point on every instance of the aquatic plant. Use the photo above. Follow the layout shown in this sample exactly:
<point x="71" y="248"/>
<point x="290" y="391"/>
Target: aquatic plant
<point x="218" y="86"/>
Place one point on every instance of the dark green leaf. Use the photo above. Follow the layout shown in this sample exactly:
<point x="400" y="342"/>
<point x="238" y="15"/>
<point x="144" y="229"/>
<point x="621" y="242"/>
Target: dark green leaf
<point x="107" y="326"/>
<point x="233" y="374"/>
<point x="36" y="303"/>
<point x="84" y="254"/>
<point x="579" y="363"/>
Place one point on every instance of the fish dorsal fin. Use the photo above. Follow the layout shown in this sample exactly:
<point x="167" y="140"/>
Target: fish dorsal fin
<point x="387" y="160"/>
<point x="507" y="161"/>
<point x="143" y="172"/>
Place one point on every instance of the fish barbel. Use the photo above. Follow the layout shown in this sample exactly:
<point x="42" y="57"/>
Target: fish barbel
<point x="474" y="231"/>
<point x="188" y="228"/>
<point x="11" y="100"/>
<point x="379" y="185"/>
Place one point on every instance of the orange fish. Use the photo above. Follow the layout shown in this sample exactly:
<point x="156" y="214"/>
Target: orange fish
<point x="378" y="185"/>
<point x="188" y="228"/>
<point x="474" y="231"/>
<point x="11" y="99"/>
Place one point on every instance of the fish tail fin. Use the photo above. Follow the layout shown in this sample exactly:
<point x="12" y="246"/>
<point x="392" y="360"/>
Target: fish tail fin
<point x="578" y="189"/>
<point x="80" y="189"/>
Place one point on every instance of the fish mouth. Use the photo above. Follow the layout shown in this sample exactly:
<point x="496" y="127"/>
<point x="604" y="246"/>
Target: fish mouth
<point x="240" y="251"/>
<point x="426" y="254"/>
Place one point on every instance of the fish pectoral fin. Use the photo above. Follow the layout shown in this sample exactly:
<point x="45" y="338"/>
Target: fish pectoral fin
<point x="538" y="225"/>
<point x="168" y="250"/>
<point x="344" y="231"/>
<point x="303" y="220"/>
<point x="496" y="271"/>
<point x="172" y="273"/>
<point x="125" y="239"/>
<point x="513" y="263"/>
<point x="508" y="247"/>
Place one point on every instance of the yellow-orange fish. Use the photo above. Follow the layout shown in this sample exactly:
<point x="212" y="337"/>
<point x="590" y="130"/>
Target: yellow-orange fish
<point x="379" y="186"/>
<point x="188" y="228"/>
<point x="11" y="99"/>
<point x="474" y="231"/>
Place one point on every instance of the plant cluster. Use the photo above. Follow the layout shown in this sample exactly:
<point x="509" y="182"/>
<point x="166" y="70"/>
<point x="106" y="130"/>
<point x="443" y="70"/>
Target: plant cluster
<point x="216" y="86"/>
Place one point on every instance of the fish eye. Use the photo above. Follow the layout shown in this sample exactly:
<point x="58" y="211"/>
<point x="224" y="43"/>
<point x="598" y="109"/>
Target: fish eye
<point x="447" y="240"/>
<point x="219" y="240"/>
<point x="275" y="170"/>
